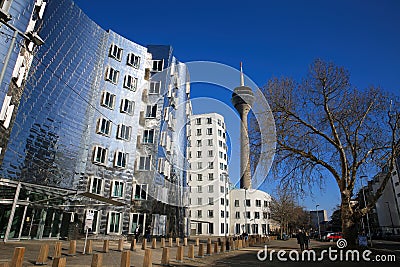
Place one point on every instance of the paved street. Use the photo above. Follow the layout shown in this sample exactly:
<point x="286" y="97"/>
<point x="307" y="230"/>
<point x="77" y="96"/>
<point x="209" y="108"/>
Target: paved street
<point x="243" y="257"/>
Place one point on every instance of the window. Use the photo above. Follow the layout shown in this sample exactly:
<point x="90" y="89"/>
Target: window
<point x="130" y="82"/>
<point x="221" y="154"/>
<point x="209" y="131"/>
<point x="199" y="177"/>
<point x="209" y="121"/>
<point x="210" y="201"/>
<point x="95" y="223"/>
<point x="237" y="215"/>
<point x="219" y="133"/>
<point x="198" y="142"/>
<point x="237" y="226"/>
<point x="227" y="214"/>
<point x="136" y="219"/>
<point x="117" y="189"/>
<point x="210" y="228"/>
<point x="155" y="87"/>
<point x="256" y="215"/>
<point x="198" y="154"/>
<point x="133" y="60"/>
<point x="96" y="185"/>
<point x="112" y="75"/>
<point x="114" y="222"/>
<point x="236" y="203"/>
<point x="199" y="189"/>
<point x="100" y="155"/>
<point x="199" y="214"/>
<point x="210" y="153"/>
<point x="222" y="214"/>
<point x="103" y="126"/>
<point x="210" y="214"/>
<point x="158" y="65"/>
<point x="199" y="201"/>
<point x="220" y="143"/>
<point x="265" y="215"/>
<point x="211" y="176"/>
<point x="115" y="52"/>
<point x="127" y="106"/>
<point x="211" y="165"/>
<point x="222" y="228"/>
<point x="107" y="100"/>
<point x="222" y="189"/>
<point x="221" y="177"/>
<point x="198" y="132"/>
<point x="199" y="228"/>
<point x="219" y="122"/>
<point x="210" y="142"/>
<point x="258" y="203"/>
<point x="222" y="201"/>
<point x="151" y="111"/>
<point x="121" y="159"/>
<point x="140" y="191"/>
<point x="221" y="166"/>
<point x="247" y="202"/>
<point x="265" y="203"/>
<point x="148" y="136"/>
<point x="199" y="165"/>
<point x="144" y="163"/>
<point x="210" y="189"/>
<point x="247" y="214"/>
<point x="124" y="132"/>
<point x="198" y="121"/>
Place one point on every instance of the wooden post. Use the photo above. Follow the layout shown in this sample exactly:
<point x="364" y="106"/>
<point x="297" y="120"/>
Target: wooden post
<point x="165" y="256"/>
<point x="209" y="252"/>
<point x="240" y="244"/>
<point x="97" y="260"/>
<point x="59" y="262"/>
<point x="179" y="254"/>
<point x="163" y="242"/>
<point x="4" y="264"/>
<point x="144" y="244"/>
<point x="154" y="243"/>
<point x="72" y="248"/>
<point x="170" y="242"/>
<point x="18" y="257"/>
<point x="43" y="255"/>
<point x="89" y="247"/>
<point x="106" y="246"/>
<point x="185" y="241"/>
<point x="201" y="251"/>
<point x="126" y="258"/>
<point x="197" y="242"/>
<point x="147" y="262"/>
<point x="177" y="241"/>
<point x="191" y="252"/>
<point x="121" y="245"/>
<point x="223" y="246"/>
<point x="208" y="240"/>
<point x="215" y="247"/>
<point x="133" y="245"/>
<point x="57" y="250"/>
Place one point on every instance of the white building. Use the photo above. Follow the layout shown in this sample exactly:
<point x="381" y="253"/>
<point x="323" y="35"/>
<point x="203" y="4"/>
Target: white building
<point x="250" y="212"/>
<point x="208" y="179"/>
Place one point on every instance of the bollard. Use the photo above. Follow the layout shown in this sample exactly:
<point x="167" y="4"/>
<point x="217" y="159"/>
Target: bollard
<point x="191" y="252"/>
<point x="170" y="242"/>
<point x="59" y="262"/>
<point x="89" y="247"/>
<point x="185" y="241"/>
<point x="208" y="240"/>
<point x="179" y="254"/>
<point x="144" y="244"/>
<point x="18" y="257"/>
<point x="154" y="243"/>
<point x="223" y="246"/>
<point x="177" y="240"/>
<point x="72" y="248"/>
<point x="215" y="247"/>
<point x="197" y="242"/>
<point x="121" y="245"/>
<point x="165" y="257"/>
<point x="126" y="258"/>
<point x="43" y="255"/>
<point x="236" y="244"/>
<point x="57" y="250"/>
<point x="4" y="264"/>
<point x="240" y="245"/>
<point x="106" y="246"/>
<point x="97" y="260"/>
<point x="209" y="252"/>
<point x="163" y="242"/>
<point x="133" y="245"/>
<point x="201" y="251"/>
<point x="147" y="258"/>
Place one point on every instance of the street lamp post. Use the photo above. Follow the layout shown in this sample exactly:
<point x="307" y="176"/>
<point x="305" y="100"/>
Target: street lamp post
<point x="319" y="228"/>
<point x="391" y="219"/>
<point x="365" y="205"/>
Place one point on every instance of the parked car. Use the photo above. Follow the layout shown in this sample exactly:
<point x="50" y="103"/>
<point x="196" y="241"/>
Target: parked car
<point x="334" y="236"/>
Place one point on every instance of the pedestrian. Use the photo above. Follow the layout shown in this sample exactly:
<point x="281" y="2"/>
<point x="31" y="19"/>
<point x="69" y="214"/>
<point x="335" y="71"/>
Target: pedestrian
<point x="306" y="240"/>
<point x="147" y="233"/>
<point x="301" y="239"/>
<point x="137" y="232"/>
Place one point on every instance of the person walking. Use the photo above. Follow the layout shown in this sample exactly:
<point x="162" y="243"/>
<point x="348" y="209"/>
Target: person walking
<point x="306" y="240"/>
<point x="301" y="239"/>
<point x="137" y="232"/>
<point x="147" y="233"/>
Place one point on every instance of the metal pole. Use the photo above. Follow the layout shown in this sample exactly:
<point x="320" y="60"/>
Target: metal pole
<point x="245" y="211"/>
<point x="319" y="227"/>
<point x="14" y="206"/>
<point x="8" y="55"/>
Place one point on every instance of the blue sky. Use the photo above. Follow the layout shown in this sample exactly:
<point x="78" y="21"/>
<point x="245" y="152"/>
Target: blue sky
<point x="272" y="38"/>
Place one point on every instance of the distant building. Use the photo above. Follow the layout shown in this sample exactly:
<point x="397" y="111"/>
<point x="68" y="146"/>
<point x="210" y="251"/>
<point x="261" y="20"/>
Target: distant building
<point x="318" y="216"/>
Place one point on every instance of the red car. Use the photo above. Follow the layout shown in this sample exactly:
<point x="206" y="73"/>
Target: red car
<point x="334" y="236"/>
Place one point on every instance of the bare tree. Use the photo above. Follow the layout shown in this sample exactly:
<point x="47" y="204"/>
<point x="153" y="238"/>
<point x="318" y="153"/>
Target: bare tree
<point x="326" y="129"/>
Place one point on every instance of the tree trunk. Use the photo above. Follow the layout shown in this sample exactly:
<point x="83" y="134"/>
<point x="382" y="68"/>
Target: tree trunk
<point x="348" y="222"/>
